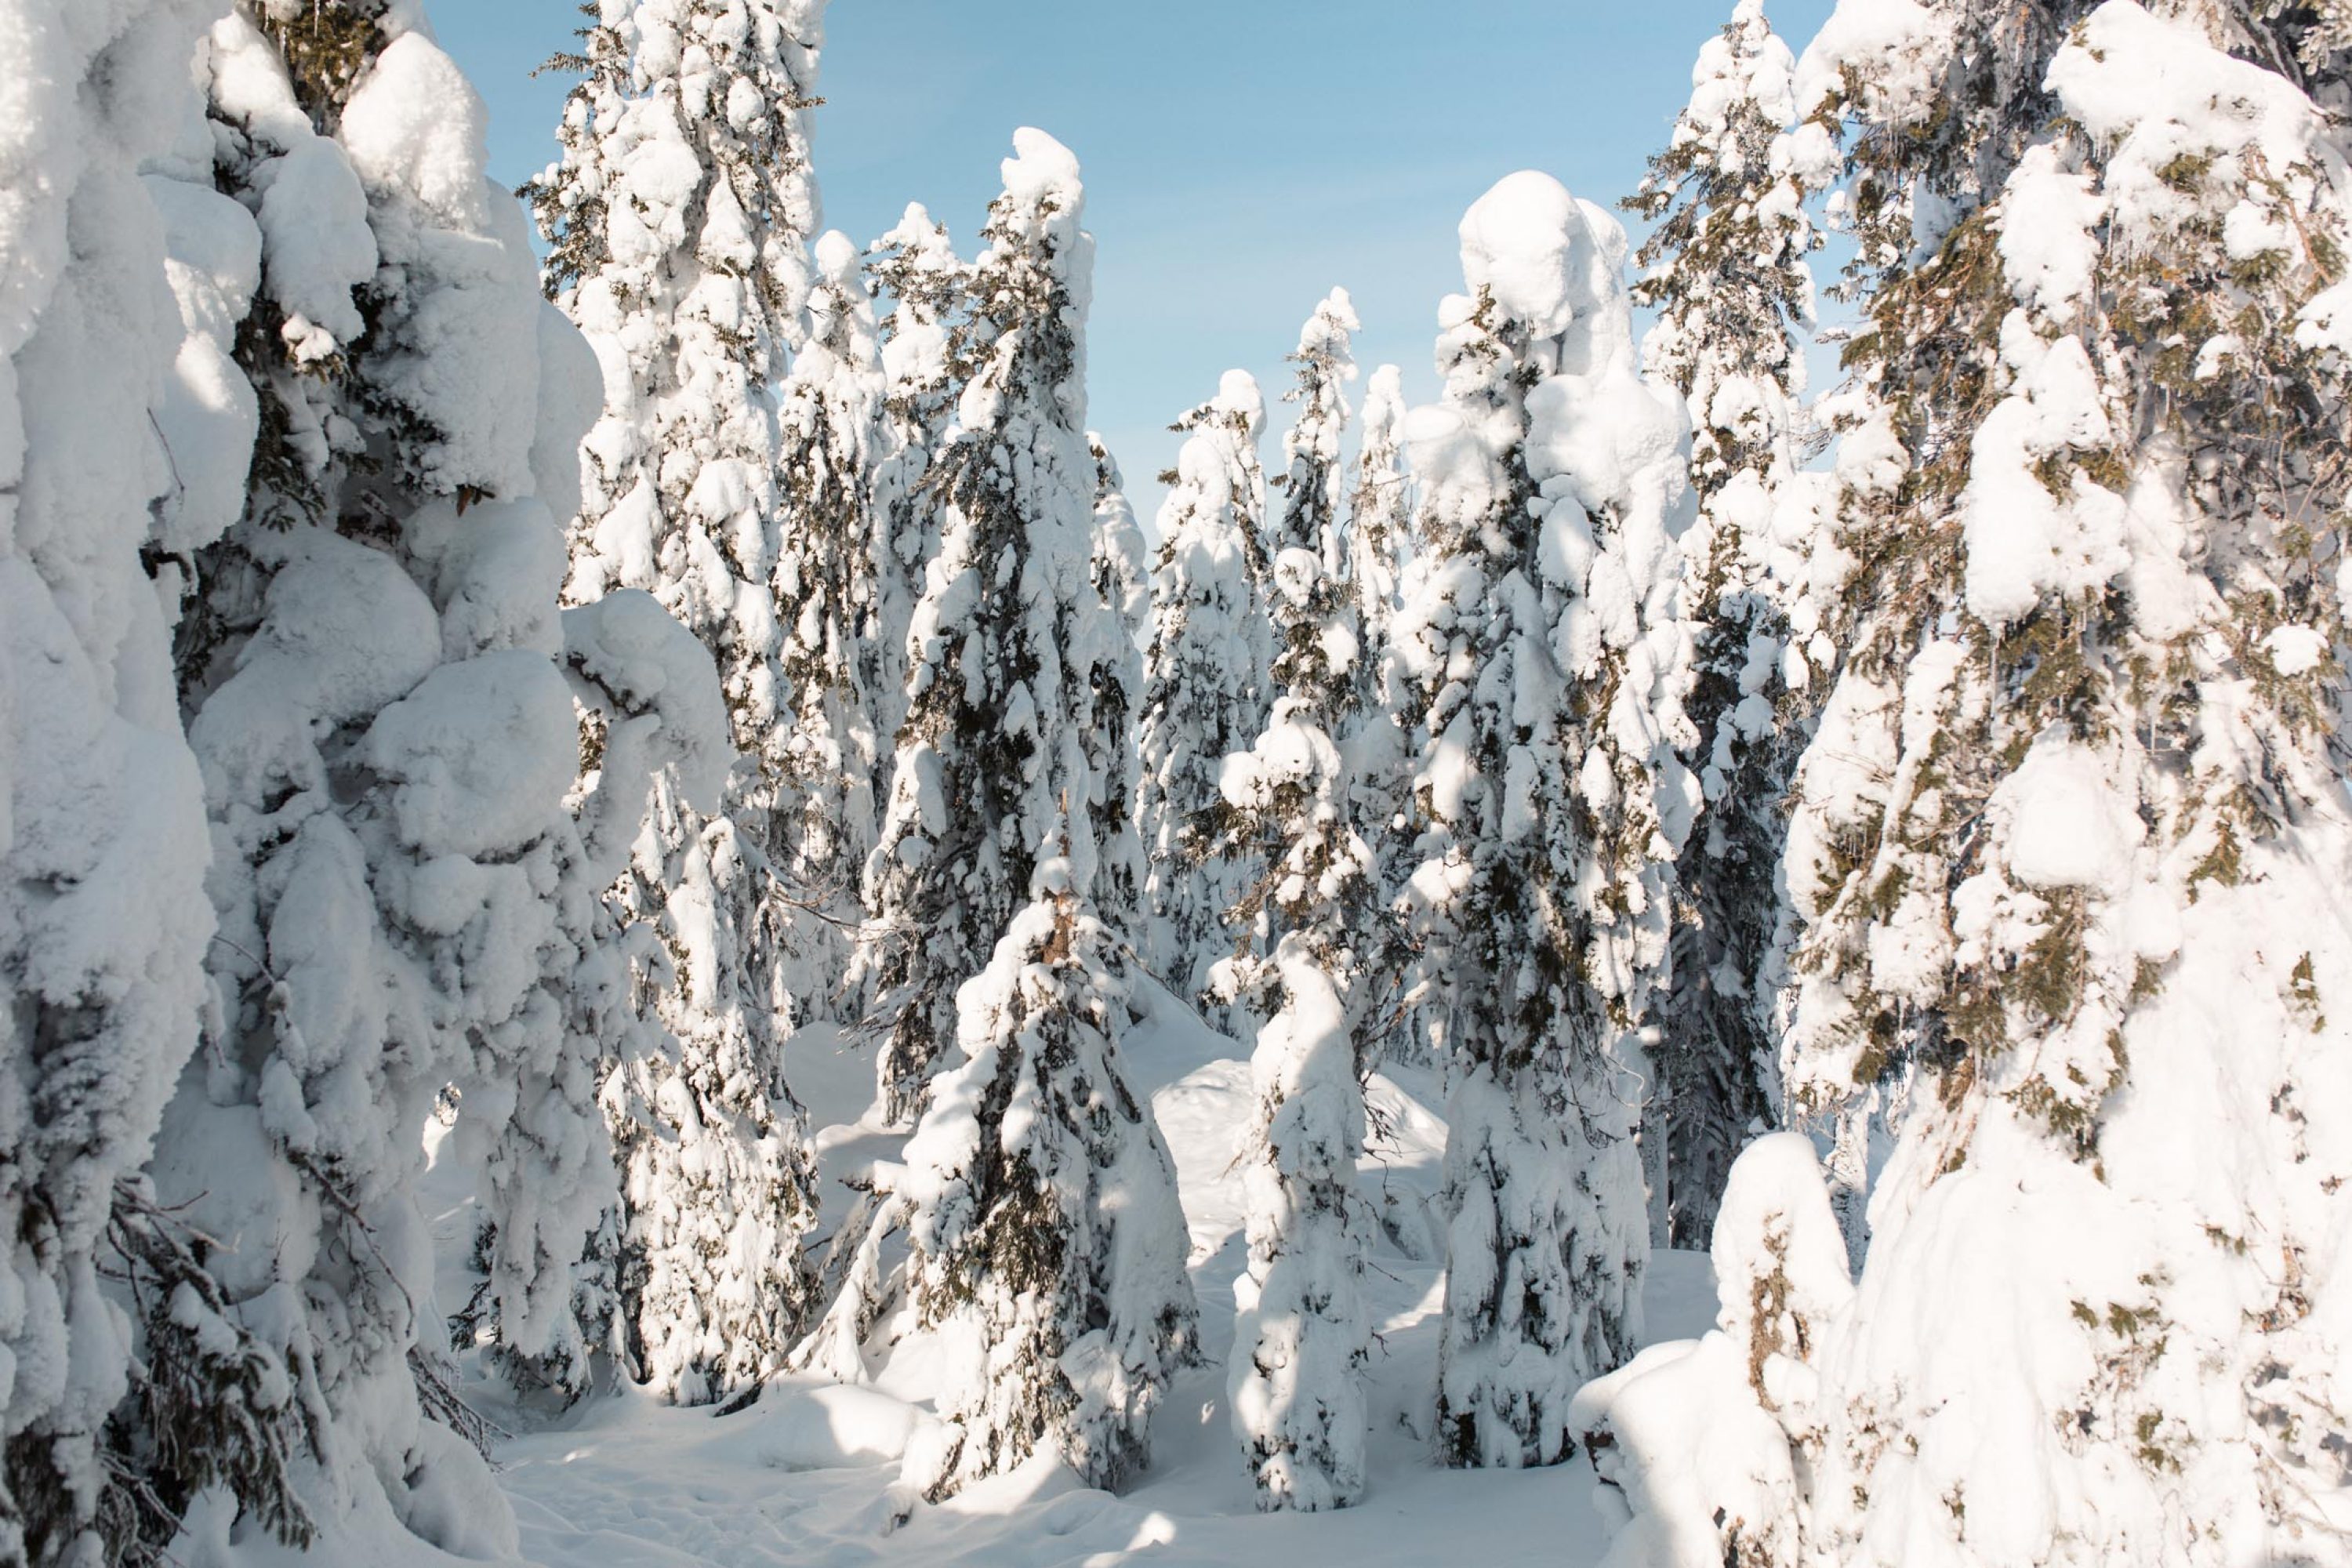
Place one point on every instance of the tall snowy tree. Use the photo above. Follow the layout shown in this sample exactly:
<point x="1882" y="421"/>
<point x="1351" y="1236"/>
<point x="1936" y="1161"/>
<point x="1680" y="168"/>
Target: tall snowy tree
<point x="125" y="432"/>
<point x="1122" y="578"/>
<point x="1206" y="686"/>
<point x="370" y="675"/>
<point x="2072" y="827"/>
<point x="1301" y="1330"/>
<point x="1725" y="269"/>
<point x="928" y="286"/>
<point x="677" y="222"/>
<point x="1542" y="641"/>
<point x="1040" y="1202"/>
<point x="835" y="662"/>
<point x="1379" y="743"/>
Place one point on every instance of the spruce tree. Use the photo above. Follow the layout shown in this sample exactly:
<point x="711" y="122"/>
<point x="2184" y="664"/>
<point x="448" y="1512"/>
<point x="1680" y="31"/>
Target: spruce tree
<point x="677" y="223"/>
<point x="2072" y="824"/>
<point x="1122" y="578"/>
<point x="1206" y="688"/>
<point x="1301" y="1329"/>
<point x="1380" y="741"/>
<point x="928" y="286"/>
<point x="125" y="432"/>
<point x="1038" y="1197"/>
<point x="827" y="582"/>
<point x="1542" y="643"/>
<point x="1725" y="269"/>
<point x="369" y="673"/>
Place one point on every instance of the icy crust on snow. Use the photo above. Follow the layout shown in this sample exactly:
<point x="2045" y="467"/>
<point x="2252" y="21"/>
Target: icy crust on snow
<point x="117" y="303"/>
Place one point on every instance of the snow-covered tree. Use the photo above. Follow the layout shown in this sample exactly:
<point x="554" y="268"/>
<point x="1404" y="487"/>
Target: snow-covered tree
<point x="1542" y="642"/>
<point x="1301" y="1329"/>
<point x="1725" y="269"/>
<point x="1044" y="1215"/>
<point x="371" y="679"/>
<point x="678" y="221"/>
<point x="827" y="584"/>
<point x="1379" y="518"/>
<point x="1206" y="686"/>
<point x="2071" y="829"/>
<point x="992" y="759"/>
<point x="125" y="432"/>
<point x="1701" y="1445"/>
<point x="1313" y="486"/>
<point x="929" y="288"/>
<point x="1122" y="577"/>
<point x="1039" y="1200"/>
<point x="1379" y="743"/>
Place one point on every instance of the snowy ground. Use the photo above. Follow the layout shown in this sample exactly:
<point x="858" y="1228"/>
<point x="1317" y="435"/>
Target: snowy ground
<point x="809" y="1474"/>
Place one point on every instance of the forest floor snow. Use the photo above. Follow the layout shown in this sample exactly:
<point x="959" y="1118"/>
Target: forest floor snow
<point x="808" y="1475"/>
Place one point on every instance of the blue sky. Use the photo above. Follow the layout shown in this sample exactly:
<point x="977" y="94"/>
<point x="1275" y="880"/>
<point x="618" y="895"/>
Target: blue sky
<point x="1241" y="156"/>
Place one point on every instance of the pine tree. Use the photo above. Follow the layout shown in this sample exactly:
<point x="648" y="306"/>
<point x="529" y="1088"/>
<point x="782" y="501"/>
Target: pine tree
<point x="369" y="673"/>
<point x="677" y="222"/>
<point x="2072" y="824"/>
<point x="1542" y="643"/>
<point x="1039" y="1200"/>
<point x="1724" y="268"/>
<point x="1206" y="688"/>
<point x="123" y="444"/>
<point x="1301" y="1329"/>
<point x="827" y="584"/>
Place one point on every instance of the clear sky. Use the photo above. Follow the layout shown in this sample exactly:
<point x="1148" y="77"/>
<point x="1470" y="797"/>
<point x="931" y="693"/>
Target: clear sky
<point x="1241" y="156"/>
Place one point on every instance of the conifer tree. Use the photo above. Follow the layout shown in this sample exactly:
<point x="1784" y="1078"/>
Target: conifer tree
<point x="1301" y="1330"/>
<point x="827" y="584"/>
<point x="1122" y="578"/>
<point x="2070" y="827"/>
<point x="125" y="433"/>
<point x="1724" y="268"/>
<point x="1542" y="643"/>
<point x="677" y="222"/>
<point x="1038" y="1197"/>
<point x="1206" y="687"/>
<point x="1380" y="522"/>
<point x="1379" y="743"/>
<point x="369" y="671"/>
<point x="928" y="286"/>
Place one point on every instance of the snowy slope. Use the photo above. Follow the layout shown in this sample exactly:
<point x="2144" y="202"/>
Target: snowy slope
<point x="809" y="1474"/>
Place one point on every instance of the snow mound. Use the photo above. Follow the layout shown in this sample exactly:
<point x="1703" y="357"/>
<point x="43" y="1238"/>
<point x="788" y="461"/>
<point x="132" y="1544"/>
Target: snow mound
<point x="1517" y="241"/>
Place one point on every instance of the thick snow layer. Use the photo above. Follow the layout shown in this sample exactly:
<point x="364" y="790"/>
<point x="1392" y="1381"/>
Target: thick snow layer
<point x="1517" y="242"/>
